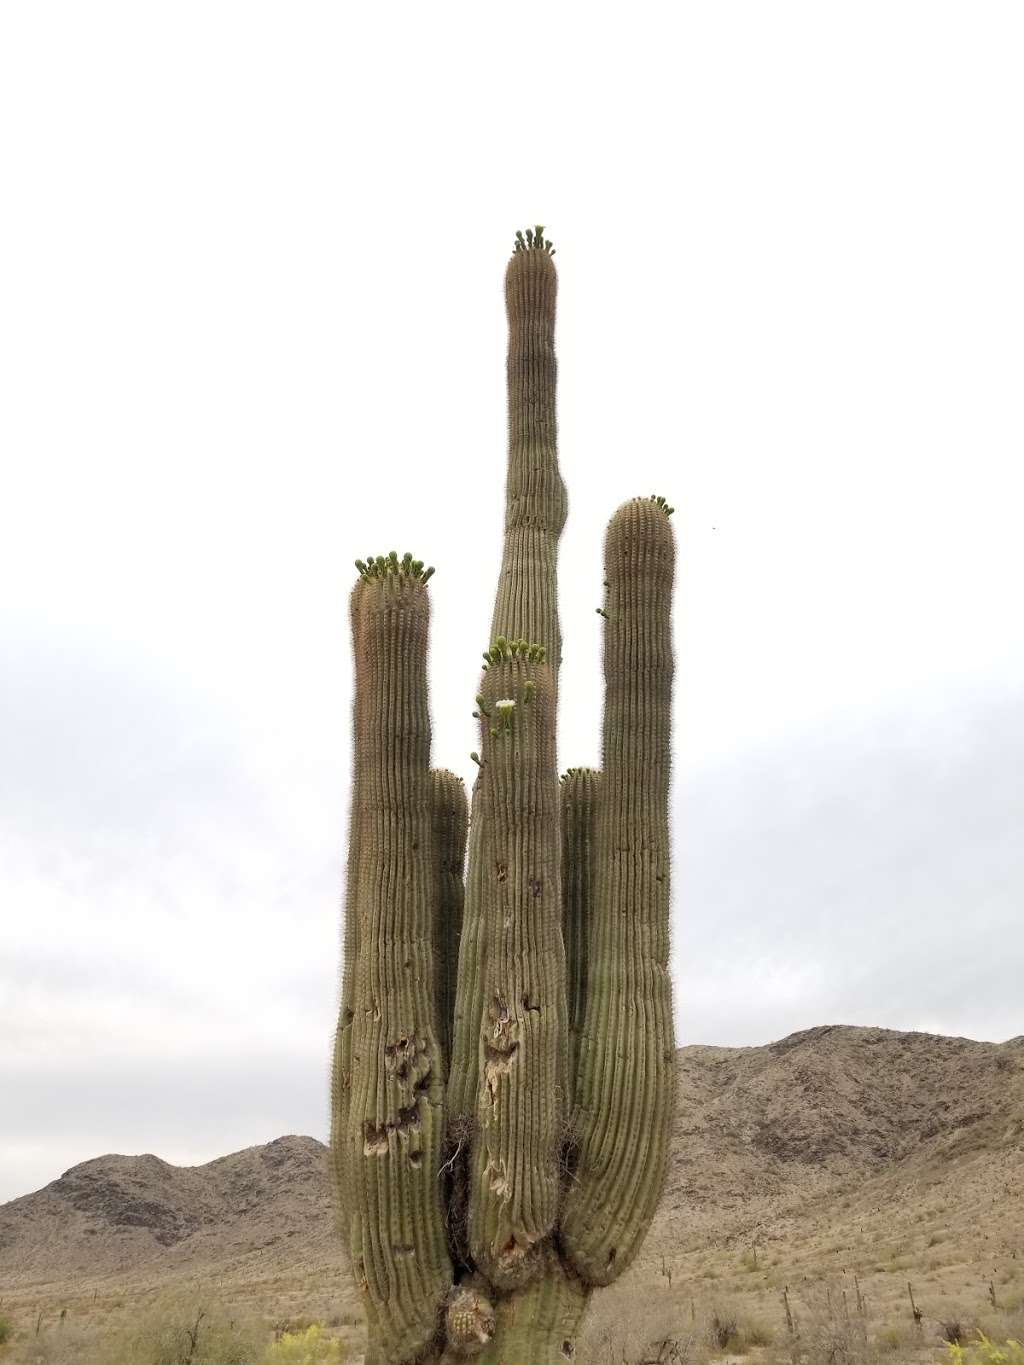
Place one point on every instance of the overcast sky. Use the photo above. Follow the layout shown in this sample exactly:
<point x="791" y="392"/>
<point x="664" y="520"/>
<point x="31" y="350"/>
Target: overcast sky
<point x="252" y="326"/>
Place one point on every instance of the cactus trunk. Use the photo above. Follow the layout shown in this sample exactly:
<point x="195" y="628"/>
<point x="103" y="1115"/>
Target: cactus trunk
<point x="502" y="1076"/>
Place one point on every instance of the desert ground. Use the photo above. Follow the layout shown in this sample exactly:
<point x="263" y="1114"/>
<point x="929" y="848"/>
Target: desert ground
<point x="821" y="1189"/>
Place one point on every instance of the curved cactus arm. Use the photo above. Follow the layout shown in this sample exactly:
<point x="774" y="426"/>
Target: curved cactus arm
<point x="625" y="1082"/>
<point x="450" y="822"/>
<point x="580" y="794"/>
<point x="394" y="1130"/>
<point x="526" y="602"/>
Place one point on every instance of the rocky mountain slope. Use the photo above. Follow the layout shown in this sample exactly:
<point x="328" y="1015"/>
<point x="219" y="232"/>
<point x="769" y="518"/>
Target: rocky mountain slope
<point x="838" y="1145"/>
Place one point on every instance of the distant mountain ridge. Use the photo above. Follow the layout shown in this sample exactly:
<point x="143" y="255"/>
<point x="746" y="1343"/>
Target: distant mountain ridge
<point x="765" y="1139"/>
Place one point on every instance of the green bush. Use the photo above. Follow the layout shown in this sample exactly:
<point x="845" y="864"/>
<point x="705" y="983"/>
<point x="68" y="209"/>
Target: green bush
<point x="309" y="1347"/>
<point x="984" y="1351"/>
<point x="6" y="1330"/>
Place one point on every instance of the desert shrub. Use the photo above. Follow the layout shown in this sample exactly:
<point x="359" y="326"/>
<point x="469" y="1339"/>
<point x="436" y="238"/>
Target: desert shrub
<point x="56" y="1343"/>
<point x="724" y="1331"/>
<point x="756" y="1333"/>
<point x="984" y="1351"/>
<point x="6" y="1330"/>
<point x="309" y="1347"/>
<point x="186" y="1329"/>
<point x="890" y="1339"/>
<point x="831" y="1330"/>
<point x="953" y="1332"/>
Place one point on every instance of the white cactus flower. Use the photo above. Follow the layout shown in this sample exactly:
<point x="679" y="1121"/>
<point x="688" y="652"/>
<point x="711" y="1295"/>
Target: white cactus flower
<point x="505" y="707"/>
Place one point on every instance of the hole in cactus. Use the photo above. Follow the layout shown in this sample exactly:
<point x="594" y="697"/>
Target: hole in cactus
<point x="611" y="1258"/>
<point x="535" y="886"/>
<point x="415" y="1160"/>
<point x="498" y="1063"/>
<point x="404" y="1251"/>
<point x="375" y="1135"/>
<point x="501" y="1057"/>
<point x="528" y="1004"/>
<point x="568" y="1349"/>
<point x="502" y="872"/>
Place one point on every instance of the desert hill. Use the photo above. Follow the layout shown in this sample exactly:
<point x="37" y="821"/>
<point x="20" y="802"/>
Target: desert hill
<point x="837" y="1149"/>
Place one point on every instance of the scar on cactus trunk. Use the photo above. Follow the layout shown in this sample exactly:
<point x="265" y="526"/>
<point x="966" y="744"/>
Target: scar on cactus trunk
<point x="502" y="1081"/>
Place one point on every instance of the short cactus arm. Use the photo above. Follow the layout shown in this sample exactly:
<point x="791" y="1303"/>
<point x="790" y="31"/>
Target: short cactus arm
<point x="625" y="1082"/>
<point x="394" y="1130"/>
<point x="526" y="604"/>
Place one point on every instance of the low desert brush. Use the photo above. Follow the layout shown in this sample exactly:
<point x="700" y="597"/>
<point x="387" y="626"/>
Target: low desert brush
<point x="983" y="1351"/>
<point x="309" y="1347"/>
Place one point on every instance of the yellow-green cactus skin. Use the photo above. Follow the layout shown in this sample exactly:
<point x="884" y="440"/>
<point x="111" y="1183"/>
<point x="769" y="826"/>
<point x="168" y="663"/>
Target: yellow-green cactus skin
<point x="502" y="1076"/>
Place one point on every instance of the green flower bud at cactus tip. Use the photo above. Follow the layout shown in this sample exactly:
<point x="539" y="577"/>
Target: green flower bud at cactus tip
<point x="601" y="612"/>
<point x="361" y="566"/>
<point x="475" y="757"/>
<point x="428" y="574"/>
<point x="482" y="704"/>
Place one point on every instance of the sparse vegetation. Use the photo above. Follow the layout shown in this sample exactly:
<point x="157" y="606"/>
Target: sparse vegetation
<point x="309" y="1347"/>
<point x="983" y="1351"/>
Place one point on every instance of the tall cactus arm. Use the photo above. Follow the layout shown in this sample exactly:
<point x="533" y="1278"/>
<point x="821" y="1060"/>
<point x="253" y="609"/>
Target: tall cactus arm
<point x="450" y="822"/>
<point x="625" y="1082"/>
<point x="521" y="1103"/>
<point x="526" y="604"/>
<point x="580" y="794"/>
<point x="395" y="1120"/>
<point x="341" y="1074"/>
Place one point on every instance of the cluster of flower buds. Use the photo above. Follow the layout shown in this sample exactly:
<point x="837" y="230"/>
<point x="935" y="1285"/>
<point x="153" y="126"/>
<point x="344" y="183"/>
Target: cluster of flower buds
<point x="571" y="772"/>
<point x="533" y="241"/>
<point x="513" y="649"/>
<point x="379" y="566"/>
<point x="662" y="503"/>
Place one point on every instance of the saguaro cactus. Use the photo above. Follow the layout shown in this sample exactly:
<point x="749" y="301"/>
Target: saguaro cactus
<point x="503" y="1065"/>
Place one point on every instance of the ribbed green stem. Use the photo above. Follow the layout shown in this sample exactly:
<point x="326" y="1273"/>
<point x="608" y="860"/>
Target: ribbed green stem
<point x="521" y="1102"/>
<point x="539" y="1324"/>
<point x="450" y="822"/>
<point x="526" y="604"/>
<point x="580" y="793"/>
<point x="341" y="1074"/>
<point x="395" y="1124"/>
<point x="625" y="1082"/>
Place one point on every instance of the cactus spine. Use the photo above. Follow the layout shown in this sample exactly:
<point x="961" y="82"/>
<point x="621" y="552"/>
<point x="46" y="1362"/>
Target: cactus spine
<point x="502" y="1080"/>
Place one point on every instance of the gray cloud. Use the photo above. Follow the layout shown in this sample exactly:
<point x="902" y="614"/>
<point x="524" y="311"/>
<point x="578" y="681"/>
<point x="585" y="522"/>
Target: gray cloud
<point x="170" y="966"/>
